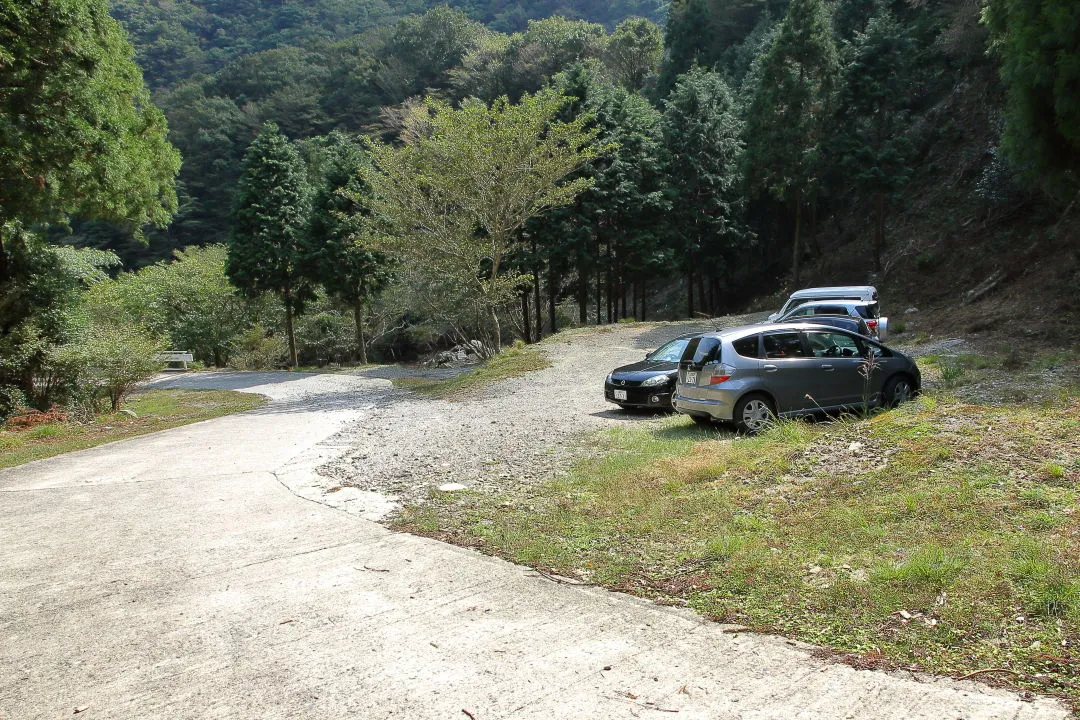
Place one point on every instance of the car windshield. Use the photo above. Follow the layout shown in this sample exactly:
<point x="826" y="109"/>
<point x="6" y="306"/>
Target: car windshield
<point x="672" y="352"/>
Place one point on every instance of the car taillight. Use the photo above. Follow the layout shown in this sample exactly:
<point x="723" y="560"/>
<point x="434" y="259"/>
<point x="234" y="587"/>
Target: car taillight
<point x="872" y="324"/>
<point x="717" y="379"/>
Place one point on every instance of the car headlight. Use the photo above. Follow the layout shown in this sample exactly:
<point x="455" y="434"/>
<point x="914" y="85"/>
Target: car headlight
<point x="608" y="379"/>
<point x="655" y="380"/>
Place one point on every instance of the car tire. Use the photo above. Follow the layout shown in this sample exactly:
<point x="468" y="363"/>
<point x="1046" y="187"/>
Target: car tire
<point x="753" y="413"/>
<point x="897" y="390"/>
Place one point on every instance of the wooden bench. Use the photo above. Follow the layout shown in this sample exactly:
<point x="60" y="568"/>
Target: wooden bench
<point x="175" y="356"/>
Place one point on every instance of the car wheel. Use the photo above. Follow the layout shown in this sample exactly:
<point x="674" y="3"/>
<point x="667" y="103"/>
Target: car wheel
<point x="754" y="413"/>
<point x="899" y="389"/>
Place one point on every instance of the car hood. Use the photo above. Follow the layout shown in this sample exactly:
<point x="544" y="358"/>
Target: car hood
<point x="645" y="369"/>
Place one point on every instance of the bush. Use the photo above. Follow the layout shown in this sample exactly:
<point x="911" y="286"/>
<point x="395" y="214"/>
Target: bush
<point x="118" y="357"/>
<point x="257" y="350"/>
<point x="11" y="400"/>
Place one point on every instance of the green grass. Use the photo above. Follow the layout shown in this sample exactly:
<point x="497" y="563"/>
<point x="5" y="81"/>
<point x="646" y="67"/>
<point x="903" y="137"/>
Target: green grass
<point x="155" y="410"/>
<point x="511" y="362"/>
<point x="942" y="535"/>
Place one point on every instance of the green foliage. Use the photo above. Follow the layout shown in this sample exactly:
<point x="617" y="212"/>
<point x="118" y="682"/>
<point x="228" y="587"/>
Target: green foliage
<point x="466" y="180"/>
<point x="1037" y="42"/>
<point x="334" y="252"/>
<point x="78" y="133"/>
<point x="256" y="348"/>
<point x="271" y="217"/>
<point x="634" y="51"/>
<point x="786" y="120"/>
<point x="188" y="300"/>
<point x="116" y="357"/>
<point x="702" y="136"/>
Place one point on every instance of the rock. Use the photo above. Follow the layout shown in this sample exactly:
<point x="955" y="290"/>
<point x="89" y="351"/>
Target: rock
<point x="130" y="413"/>
<point x="911" y="311"/>
<point x="452" y="487"/>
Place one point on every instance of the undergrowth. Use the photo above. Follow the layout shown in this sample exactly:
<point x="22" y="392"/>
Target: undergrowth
<point x="511" y="362"/>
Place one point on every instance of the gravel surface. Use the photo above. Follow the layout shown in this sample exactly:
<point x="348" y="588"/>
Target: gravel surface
<point x="522" y="430"/>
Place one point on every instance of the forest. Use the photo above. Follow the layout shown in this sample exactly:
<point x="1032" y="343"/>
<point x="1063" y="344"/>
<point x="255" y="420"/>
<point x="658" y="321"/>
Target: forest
<point x="270" y="183"/>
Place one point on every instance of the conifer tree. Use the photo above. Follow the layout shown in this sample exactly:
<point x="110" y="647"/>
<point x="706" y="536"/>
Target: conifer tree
<point x="269" y="221"/>
<point x="334" y="253"/>
<point x="702" y="135"/>
<point x="791" y="106"/>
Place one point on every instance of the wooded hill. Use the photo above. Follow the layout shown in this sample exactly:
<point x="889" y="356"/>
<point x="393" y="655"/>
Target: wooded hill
<point x="865" y="140"/>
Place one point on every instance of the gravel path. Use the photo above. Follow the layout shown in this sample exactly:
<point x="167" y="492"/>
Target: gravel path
<point x="522" y="430"/>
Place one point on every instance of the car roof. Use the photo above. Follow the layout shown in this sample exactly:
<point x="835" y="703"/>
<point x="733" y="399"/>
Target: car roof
<point x="835" y="290"/>
<point x="837" y="301"/>
<point x="736" y="333"/>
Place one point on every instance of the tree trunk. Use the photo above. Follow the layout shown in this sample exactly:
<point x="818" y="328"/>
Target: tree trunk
<point x="218" y="360"/>
<point x="525" y="316"/>
<point x="497" y="330"/>
<point x="583" y="296"/>
<point x="689" y="293"/>
<point x="701" y="294"/>
<point x="536" y="293"/>
<point x="644" y="294"/>
<point x="361" y="343"/>
<point x="795" y="248"/>
<point x="879" y="229"/>
<point x="290" y="332"/>
<point x="598" y="282"/>
<point x="553" y="292"/>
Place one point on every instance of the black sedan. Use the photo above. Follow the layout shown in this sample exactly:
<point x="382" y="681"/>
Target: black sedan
<point x="649" y="383"/>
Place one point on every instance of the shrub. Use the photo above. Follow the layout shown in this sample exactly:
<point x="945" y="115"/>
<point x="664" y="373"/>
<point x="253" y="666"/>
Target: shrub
<point x="118" y="357"/>
<point x="257" y="350"/>
<point x="11" y="399"/>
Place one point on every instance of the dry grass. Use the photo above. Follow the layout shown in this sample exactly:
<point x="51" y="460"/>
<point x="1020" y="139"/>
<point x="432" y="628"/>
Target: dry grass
<point x="510" y="363"/>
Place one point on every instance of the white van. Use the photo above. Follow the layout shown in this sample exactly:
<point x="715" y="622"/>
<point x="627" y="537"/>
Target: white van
<point x="864" y="293"/>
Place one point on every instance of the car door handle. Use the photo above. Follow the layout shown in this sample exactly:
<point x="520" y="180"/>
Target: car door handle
<point x="771" y="368"/>
<point x="827" y="368"/>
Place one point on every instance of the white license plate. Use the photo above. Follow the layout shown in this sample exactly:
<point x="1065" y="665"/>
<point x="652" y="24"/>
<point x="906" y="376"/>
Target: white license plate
<point x="691" y="378"/>
<point x="620" y="394"/>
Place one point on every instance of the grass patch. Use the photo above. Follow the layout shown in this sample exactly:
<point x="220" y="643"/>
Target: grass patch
<point x="942" y="535"/>
<point x="155" y="410"/>
<point x="510" y="363"/>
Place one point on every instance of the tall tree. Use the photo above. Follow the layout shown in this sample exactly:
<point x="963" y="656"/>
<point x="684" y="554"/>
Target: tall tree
<point x="791" y="107"/>
<point x="871" y="142"/>
<point x="269" y="222"/>
<point x="466" y="180"/>
<point x="78" y="133"/>
<point x="334" y="251"/>
<point x="1038" y="42"/>
<point x="633" y="52"/>
<point x="702" y="135"/>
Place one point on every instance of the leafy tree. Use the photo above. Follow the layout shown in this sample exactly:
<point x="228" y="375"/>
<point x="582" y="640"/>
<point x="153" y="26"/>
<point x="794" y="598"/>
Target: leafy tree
<point x="1038" y="42"/>
<point x="117" y="358"/>
<point x="467" y="179"/>
<point x="702" y="135"/>
<point x="872" y="147"/>
<point x="188" y="300"/>
<point x="78" y="133"/>
<point x="269" y="222"/>
<point x="334" y="250"/>
<point x="792" y="103"/>
<point x="634" y="51"/>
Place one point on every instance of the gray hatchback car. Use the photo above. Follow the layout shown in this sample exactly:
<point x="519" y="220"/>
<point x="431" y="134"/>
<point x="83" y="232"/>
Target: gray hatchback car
<point x="750" y="375"/>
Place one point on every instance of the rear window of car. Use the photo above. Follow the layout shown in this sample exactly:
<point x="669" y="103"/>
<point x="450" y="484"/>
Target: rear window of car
<point x="830" y="310"/>
<point x="747" y="347"/>
<point x="868" y="312"/>
<point x="702" y="350"/>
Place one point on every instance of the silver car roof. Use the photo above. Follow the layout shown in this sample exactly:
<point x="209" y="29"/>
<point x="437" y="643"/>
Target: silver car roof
<point x="838" y="289"/>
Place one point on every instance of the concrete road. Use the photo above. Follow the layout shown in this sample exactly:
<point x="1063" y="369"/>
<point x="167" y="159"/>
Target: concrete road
<point x="177" y="576"/>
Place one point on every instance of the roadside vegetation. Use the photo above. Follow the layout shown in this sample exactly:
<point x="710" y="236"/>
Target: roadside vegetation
<point x="509" y="363"/>
<point x="943" y="536"/>
<point x="39" y="435"/>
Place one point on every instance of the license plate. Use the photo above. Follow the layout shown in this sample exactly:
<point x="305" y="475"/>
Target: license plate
<point x="691" y="378"/>
<point x="620" y="394"/>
